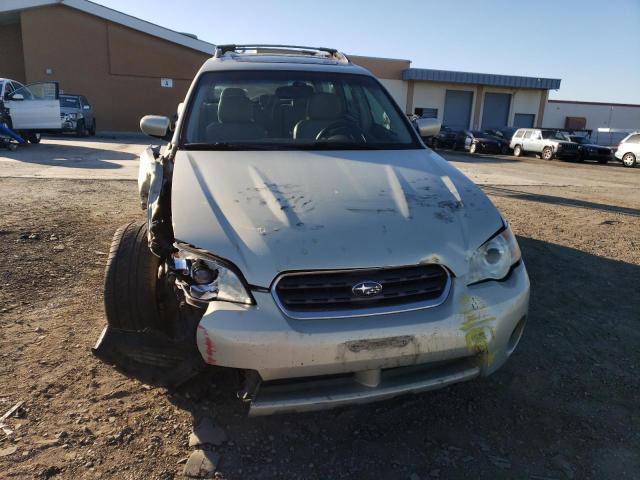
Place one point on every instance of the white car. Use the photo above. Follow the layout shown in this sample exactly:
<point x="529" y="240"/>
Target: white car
<point x="300" y="232"/>
<point x="629" y="150"/>
<point x="30" y="109"/>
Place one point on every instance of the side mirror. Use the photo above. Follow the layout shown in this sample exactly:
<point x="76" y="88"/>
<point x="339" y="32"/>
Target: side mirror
<point x="87" y="107"/>
<point x="428" y="127"/>
<point x="17" y="96"/>
<point x="155" y="126"/>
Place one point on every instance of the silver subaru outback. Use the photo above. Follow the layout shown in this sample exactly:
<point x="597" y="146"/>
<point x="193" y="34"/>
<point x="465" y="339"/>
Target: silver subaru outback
<point x="300" y="232"/>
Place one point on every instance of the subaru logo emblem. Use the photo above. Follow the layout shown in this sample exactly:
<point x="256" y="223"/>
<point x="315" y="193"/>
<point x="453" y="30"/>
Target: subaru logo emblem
<point x="366" y="289"/>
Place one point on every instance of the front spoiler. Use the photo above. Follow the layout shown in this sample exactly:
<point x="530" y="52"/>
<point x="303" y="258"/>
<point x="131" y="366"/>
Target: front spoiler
<point x="149" y="355"/>
<point x="313" y="394"/>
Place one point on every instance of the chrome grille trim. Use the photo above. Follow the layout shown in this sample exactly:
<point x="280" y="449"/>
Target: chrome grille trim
<point x="357" y="312"/>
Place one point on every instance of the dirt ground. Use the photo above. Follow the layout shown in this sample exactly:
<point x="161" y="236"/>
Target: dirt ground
<point x="566" y="405"/>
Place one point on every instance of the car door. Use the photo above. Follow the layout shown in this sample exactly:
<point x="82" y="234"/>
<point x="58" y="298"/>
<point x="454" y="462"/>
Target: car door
<point x="527" y="143"/>
<point x="35" y="107"/>
<point x="534" y="143"/>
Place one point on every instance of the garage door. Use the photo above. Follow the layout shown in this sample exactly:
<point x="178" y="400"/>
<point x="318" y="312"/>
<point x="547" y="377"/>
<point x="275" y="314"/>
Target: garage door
<point x="523" y="120"/>
<point x="495" y="112"/>
<point x="457" y="108"/>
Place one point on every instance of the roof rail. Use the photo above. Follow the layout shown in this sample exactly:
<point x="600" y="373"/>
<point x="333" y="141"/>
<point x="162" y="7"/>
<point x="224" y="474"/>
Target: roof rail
<point x="269" y="49"/>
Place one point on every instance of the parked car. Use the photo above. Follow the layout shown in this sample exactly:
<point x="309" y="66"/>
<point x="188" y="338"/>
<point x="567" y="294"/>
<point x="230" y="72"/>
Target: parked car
<point x="30" y="109"/>
<point x="504" y="134"/>
<point x="77" y="115"/>
<point x="476" y="141"/>
<point x="590" y="151"/>
<point x="444" y="139"/>
<point x="340" y="263"/>
<point x="629" y="150"/>
<point x="549" y="144"/>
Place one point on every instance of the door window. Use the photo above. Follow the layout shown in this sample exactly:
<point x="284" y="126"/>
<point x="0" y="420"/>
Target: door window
<point x="633" y="139"/>
<point x="527" y="134"/>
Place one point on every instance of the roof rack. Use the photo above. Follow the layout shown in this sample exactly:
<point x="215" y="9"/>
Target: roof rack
<point x="270" y="49"/>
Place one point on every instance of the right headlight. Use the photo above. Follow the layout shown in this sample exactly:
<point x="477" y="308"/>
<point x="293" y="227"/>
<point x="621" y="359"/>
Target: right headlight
<point x="493" y="259"/>
<point x="204" y="278"/>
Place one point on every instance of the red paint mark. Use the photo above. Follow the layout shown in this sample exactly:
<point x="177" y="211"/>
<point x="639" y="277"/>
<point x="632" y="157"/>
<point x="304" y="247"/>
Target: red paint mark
<point x="209" y="344"/>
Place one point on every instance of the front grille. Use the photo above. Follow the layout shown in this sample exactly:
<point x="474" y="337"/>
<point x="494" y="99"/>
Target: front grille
<point x="331" y="291"/>
<point x="570" y="147"/>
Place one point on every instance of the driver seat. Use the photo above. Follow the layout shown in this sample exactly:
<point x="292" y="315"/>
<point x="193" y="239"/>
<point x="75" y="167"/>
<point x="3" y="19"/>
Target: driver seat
<point x="323" y="109"/>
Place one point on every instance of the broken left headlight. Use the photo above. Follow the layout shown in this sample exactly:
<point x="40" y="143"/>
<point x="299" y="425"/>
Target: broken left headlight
<point x="494" y="259"/>
<point x="204" y="278"/>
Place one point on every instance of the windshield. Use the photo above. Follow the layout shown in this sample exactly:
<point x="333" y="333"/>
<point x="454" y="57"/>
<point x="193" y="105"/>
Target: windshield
<point x="69" y="102"/>
<point x="551" y="134"/>
<point x="293" y="110"/>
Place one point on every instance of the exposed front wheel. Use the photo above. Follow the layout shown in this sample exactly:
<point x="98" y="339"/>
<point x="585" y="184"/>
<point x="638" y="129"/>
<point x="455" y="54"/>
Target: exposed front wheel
<point x="517" y="151"/>
<point x="33" y="137"/>
<point x="92" y="130"/>
<point x="81" y="129"/>
<point x="504" y="150"/>
<point x="547" y="153"/>
<point x="147" y="335"/>
<point x="131" y="279"/>
<point x="629" y="159"/>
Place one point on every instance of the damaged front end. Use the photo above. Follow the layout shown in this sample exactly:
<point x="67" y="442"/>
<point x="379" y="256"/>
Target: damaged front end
<point x="151" y="323"/>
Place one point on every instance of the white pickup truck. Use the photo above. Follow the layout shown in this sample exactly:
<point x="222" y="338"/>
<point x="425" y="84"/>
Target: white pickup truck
<point x="30" y="109"/>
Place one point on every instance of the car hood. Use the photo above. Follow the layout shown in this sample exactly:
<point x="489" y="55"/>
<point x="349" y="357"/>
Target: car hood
<point x="275" y="211"/>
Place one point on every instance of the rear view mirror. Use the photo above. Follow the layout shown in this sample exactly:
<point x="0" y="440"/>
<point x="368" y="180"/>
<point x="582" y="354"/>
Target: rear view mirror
<point x="428" y="127"/>
<point x="155" y="126"/>
<point x="17" y="96"/>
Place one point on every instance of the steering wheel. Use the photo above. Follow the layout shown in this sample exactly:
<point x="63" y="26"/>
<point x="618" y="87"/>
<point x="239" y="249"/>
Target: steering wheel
<point x="342" y="127"/>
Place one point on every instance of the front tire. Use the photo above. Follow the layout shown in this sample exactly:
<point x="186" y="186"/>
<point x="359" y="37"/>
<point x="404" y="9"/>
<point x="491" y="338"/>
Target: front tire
<point x="547" y="153"/>
<point x="517" y="151"/>
<point x="81" y="129"/>
<point x="131" y="281"/>
<point x="629" y="160"/>
<point x="92" y="130"/>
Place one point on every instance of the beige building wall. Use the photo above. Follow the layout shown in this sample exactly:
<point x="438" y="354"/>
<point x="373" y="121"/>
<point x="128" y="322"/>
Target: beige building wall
<point x="397" y="89"/>
<point x="11" y="54"/>
<point x="117" y="68"/>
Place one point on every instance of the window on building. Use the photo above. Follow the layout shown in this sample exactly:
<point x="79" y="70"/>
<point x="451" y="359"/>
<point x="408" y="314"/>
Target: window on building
<point x="426" y="112"/>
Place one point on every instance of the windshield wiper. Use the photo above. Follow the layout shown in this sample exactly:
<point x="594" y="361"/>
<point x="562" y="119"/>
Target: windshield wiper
<point x="342" y="146"/>
<point x="230" y="146"/>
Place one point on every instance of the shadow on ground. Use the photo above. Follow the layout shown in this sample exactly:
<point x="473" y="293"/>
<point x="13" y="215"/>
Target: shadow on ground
<point x="70" y="155"/>
<point x="563" y="201"/>
<point x="564" y="406"/>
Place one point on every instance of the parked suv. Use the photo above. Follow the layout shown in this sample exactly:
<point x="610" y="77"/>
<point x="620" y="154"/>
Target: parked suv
<point x="549" y="144"/>
<point x="300" y="232"/>
<point x="77" y="115"/>
<point x="629" y="150"/>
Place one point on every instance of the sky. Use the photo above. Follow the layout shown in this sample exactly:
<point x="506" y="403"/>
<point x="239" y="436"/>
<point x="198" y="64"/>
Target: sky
<point x="593" y="46"/>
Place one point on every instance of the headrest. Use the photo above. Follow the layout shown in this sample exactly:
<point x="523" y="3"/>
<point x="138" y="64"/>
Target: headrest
<point x="294" y="91"/>
<point x="324" y="106"/>
<point x="211" y="97"/>
<point x="234" y="106"/>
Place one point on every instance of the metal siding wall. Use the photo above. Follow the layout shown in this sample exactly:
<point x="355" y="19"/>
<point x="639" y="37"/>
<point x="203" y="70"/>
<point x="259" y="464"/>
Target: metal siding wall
<point x="457" y="108"/>
<point x="495" y="112"/>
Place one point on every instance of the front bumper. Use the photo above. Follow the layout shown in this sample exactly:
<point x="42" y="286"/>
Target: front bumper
<point x="472" y="333"/>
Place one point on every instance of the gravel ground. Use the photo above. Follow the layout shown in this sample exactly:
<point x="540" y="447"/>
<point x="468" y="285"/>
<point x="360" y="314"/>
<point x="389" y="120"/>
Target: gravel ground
<point x="564" y="406"/>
